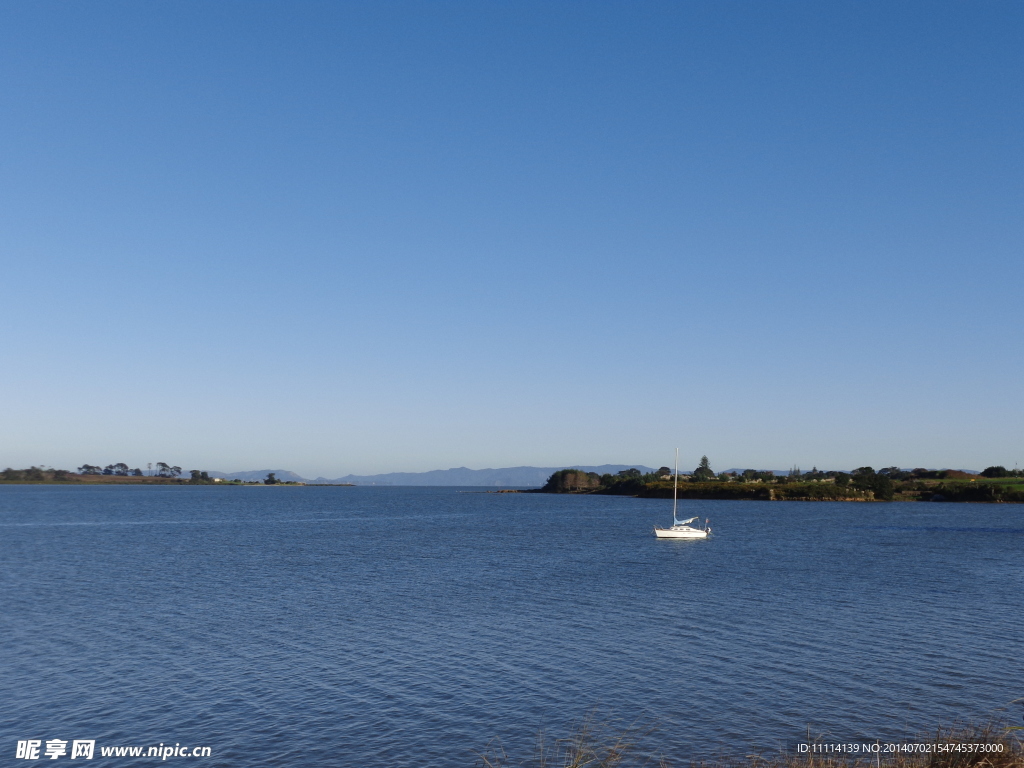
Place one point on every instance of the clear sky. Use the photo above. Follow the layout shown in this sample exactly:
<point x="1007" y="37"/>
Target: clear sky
<point x="367" y="237"/>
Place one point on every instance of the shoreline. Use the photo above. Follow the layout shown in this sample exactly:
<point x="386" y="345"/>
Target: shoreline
<point x="984" y="491"/>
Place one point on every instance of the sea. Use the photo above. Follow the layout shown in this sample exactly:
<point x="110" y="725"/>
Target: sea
<point x="376" y="626"/>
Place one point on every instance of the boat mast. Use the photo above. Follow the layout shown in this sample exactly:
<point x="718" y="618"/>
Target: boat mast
<point x="675" y="487"/>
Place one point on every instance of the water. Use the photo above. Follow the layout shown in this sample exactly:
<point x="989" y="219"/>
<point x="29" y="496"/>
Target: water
<point x="409" y="626"/>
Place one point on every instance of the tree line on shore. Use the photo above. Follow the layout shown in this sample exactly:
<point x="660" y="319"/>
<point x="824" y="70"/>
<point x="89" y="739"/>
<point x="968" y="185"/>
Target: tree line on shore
<point x="121" y="470"/>
<point x="44" y="474"/>
<point x="862" y="483"/>
<point x="164" y="472"/>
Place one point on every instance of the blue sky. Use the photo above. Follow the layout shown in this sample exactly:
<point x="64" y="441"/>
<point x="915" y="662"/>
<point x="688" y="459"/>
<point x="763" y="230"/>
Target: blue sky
<point x="369" y="237"/>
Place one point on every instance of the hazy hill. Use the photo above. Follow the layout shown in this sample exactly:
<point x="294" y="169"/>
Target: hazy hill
<point x="507" y="477"/>
<point x="259" y="474"/>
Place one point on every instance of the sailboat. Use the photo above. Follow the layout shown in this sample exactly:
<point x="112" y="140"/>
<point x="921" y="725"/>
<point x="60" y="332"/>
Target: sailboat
<point x="681" y="529"/>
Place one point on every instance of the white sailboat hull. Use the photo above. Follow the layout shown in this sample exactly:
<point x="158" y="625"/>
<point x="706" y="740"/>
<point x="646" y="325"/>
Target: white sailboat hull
<point x="681" y="528"/>
<point x="680" y="532"/>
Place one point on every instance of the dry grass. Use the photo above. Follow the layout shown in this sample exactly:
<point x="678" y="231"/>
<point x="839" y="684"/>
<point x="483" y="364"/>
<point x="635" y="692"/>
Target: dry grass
<point x="598" y="744"/>
<point x="591" y="743"/>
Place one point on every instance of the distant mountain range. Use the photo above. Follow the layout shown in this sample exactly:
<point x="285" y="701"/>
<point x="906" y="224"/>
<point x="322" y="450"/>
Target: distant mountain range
<point x="507" y="477"/>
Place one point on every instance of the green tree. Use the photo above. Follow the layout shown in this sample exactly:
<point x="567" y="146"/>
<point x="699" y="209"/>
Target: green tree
<point x="997" y="471"/>
<point x="271" y="479"/>
<point x="894" y="473"/>
<point x="572" y="480"/>
<point x="703" y="470"/>
<point x="866" y="479"/>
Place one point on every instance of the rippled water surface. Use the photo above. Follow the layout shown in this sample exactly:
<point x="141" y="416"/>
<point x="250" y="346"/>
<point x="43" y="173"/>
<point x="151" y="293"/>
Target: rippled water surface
<point x="409" y="626"/>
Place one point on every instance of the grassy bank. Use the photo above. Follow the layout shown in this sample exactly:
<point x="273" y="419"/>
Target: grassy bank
<point x="37" y="476"/>
<point x="988" y="491"/>
<point x="788" y="492"/>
